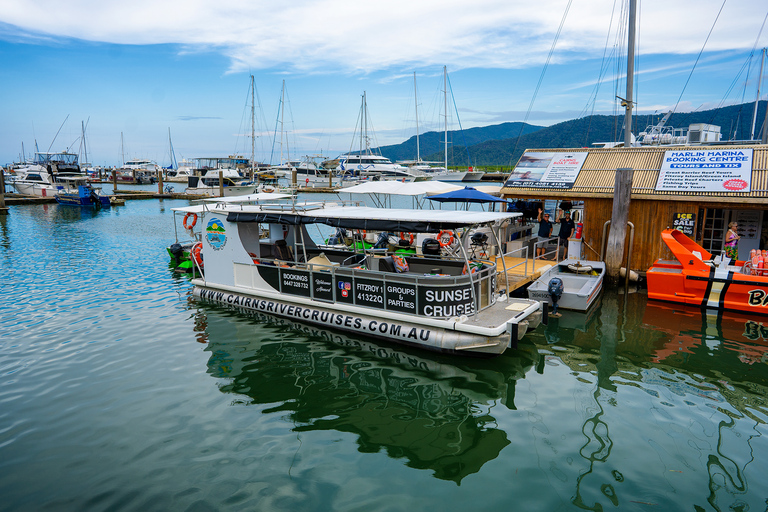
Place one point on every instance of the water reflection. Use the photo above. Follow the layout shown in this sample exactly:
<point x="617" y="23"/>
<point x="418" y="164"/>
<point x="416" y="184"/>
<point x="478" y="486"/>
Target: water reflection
<point x="699" y="374"/>
<point x="434" y="412"/>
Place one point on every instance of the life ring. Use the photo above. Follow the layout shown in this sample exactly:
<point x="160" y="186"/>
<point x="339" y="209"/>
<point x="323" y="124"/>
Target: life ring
<point x="445" y="238"/>
<point x="194" y="220"/>
<point x="579" y="268"/>
<point x="269" y="189"/>
<point x="407" y="236"/>
<point x="197" y="253"/>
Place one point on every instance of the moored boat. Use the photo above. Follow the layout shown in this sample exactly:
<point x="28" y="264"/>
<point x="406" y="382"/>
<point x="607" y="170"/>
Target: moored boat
<point x="694" y="277"/>
<point x="582" y="283"/>
<point x="77" y="191"/>
<point x="264" y="258"/>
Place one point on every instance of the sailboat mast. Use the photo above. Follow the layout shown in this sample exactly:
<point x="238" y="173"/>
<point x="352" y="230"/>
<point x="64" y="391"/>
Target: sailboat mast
<point x="85" y="148"/>
<point x="445" y="105"/>
<point x="416" y="100"/>
<point x="757" y="98"/>
<point x="122" y="148"/>
<point x="362" y="121"/>
<point x="282" y="125"/>
<point x="630" y="73"/>
<point x="365" y="113"/>
<point x="253" y="130"/>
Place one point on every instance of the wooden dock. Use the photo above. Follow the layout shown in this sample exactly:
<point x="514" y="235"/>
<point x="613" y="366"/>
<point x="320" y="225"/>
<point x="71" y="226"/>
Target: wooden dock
<point x="518" y="273"/>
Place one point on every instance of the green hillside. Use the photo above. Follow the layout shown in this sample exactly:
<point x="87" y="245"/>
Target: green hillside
<point x="432" y="142"/>
<point x="735" y="122"/>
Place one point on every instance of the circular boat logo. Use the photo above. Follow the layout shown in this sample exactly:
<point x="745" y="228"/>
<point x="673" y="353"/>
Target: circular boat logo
<point x="735" y="184"/>
<point x="215" y="233"/>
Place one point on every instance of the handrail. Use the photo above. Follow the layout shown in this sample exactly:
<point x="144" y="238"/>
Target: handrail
<point x="448" y="281"/>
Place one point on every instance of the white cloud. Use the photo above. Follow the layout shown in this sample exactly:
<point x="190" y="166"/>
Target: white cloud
<point x="362" y="37"/>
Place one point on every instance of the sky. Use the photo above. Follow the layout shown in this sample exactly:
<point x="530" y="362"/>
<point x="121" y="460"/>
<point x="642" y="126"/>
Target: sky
<point x="141" y="75"/>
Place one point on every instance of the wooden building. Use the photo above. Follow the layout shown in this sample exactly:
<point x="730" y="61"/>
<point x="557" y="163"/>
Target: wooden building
<point x="655" y="204"/>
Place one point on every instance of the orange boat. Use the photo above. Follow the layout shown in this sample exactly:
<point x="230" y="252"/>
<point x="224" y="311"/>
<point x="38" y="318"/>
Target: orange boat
<point x="695" y="278"/>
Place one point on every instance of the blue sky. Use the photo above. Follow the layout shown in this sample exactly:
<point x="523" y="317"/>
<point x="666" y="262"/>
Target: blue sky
<point x="137" y="69"/>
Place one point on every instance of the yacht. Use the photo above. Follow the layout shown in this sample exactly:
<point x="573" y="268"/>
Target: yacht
<point x="43" y="176"/>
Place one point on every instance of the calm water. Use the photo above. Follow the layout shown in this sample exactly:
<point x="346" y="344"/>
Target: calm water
<point x="119" y="392"/>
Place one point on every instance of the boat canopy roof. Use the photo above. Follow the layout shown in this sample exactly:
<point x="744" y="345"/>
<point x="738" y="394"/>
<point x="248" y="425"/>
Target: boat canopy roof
<point x="249" y="198"/>
<point x="375" y="219"/>
<point x="398" y="188"/>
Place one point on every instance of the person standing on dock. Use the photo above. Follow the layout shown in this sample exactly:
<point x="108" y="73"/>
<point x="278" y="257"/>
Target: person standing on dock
<point x="545" y="231"/>
<point x="732" y="242"/>
<point x="566" y="229"/>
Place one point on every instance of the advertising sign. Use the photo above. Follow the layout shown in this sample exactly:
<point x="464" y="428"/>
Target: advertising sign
<point x="547" y="170"/>
<point x="685" y="222"/>
<point x="706" y="170"/>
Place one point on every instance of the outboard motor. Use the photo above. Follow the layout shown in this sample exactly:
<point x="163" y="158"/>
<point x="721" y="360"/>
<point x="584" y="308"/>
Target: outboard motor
<point x="430" y="247"/>
<point x="382" y="241"/>
<point x="339" y="237"/>
<point x="555" y="289"/>
<point x="176" y="251"/>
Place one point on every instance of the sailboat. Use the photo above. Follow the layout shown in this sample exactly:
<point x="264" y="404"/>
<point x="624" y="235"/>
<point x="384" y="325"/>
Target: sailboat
<point x="364" y="164"/>
<point x="439" y="173"/>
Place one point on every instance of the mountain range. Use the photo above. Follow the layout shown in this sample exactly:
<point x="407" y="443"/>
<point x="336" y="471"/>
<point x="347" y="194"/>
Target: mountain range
<point x="502" y="145"/>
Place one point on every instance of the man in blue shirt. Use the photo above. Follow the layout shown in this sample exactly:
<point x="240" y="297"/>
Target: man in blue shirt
<point x="545" y="231"/>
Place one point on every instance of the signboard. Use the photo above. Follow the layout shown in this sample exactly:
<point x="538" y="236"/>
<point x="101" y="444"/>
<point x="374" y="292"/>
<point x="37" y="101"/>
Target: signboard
<point x="706" y="170"/>
<point x="547" y="170"/>
<point x="401" y="297"/>
<point x="685" y="222"/>
<point x="322" y="286"/>
<point x="295" y="282"/>
<point x="369" y="293"/>
<point x="446" y="301"/>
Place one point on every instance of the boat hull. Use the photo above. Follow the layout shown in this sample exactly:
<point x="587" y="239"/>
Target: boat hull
<point x="693" y="278"/>
<point x="426" y="333"/>
<point x="728" y="290"/>
<point x="580" y="290"/>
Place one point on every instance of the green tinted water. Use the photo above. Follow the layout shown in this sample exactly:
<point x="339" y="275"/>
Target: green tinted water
<point x="119" y="392"/>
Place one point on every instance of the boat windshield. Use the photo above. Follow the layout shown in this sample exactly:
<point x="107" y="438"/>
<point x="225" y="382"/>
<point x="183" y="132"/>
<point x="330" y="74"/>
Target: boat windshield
<point x="46" y="158"/>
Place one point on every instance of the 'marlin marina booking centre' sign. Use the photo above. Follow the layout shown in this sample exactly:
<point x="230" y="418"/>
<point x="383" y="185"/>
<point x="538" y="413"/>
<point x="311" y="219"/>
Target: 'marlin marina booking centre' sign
<point x="547" y="170"/>
<point x="706" y="170"/>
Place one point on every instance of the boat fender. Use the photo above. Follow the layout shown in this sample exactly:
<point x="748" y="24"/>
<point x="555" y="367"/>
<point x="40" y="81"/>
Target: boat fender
<point x="445" y="238"/>
<point x="197" y="253"/>
<point x="186" y="219"/>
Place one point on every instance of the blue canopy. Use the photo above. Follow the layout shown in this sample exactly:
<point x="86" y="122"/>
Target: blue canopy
<point x="466" y="195"/>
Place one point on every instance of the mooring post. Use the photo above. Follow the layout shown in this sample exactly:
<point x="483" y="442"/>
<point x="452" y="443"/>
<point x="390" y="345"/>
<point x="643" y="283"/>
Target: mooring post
<point x="221" y="183"/>
<point x="3" y="208"/>
<point x="614" y="254"/>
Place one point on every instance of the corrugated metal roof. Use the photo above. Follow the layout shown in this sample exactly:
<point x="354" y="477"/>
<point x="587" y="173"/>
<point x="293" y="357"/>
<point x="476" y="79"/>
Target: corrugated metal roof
<point x="598" y="174"/>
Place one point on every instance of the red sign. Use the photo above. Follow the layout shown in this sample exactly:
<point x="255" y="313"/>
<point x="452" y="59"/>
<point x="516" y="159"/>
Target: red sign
<point x="735" y="184"/>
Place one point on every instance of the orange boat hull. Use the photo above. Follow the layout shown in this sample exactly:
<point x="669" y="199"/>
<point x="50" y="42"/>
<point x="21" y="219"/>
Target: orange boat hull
<point x="693" y="280"/>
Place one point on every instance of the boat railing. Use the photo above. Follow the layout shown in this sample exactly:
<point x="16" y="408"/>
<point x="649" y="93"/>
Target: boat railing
<point x="547" y="254"/>
<point x="423" y="294"/>
<point x="513" y="260"/>
<point x="750" y="270"/>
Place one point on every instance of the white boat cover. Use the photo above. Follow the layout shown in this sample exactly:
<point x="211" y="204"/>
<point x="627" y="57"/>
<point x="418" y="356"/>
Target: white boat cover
<point x="249" y="198"/>
<point x="398" y="188"/>
<point x="363" y="217"/>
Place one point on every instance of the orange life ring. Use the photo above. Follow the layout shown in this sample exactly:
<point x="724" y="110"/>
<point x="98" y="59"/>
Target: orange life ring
<point x="194" y="220"/>
<point x="445" y="238"/>
<point x="197" y="253"/>
<point x="404" y="236"/>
